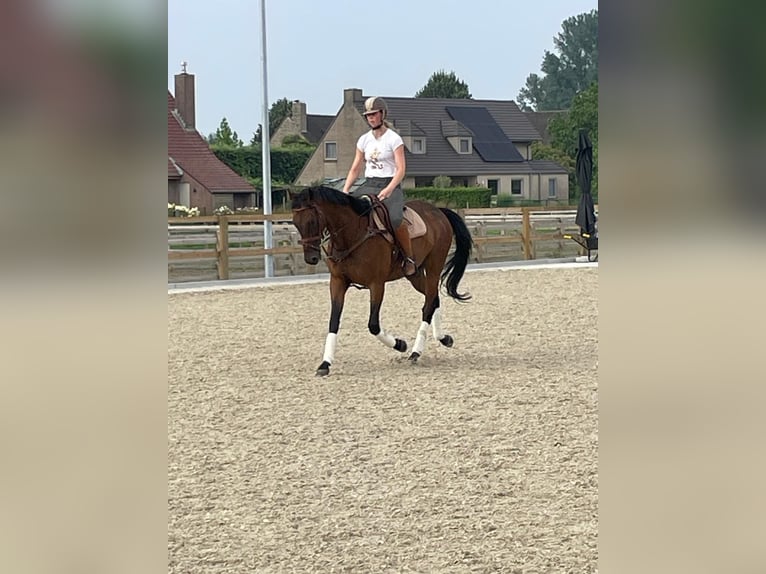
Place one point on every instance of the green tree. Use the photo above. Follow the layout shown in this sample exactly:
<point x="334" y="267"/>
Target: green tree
<point x="565" y="131"/>
<point x="542" y="151"/>
<point x="256" y="139"/>
<point x="224" y="136"/>
<point x="570" y="71"/>
<point x="444" y="85"/>
<point x="279" y="110"/>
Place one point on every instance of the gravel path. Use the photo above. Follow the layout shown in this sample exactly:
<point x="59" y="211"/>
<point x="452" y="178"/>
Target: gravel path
<point x="480" y="458"/>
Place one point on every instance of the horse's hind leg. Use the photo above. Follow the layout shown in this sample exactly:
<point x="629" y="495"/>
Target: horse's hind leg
<point x="376" y="300"/>
<point x="436" y="323"/>
<point x="429" y="286"/>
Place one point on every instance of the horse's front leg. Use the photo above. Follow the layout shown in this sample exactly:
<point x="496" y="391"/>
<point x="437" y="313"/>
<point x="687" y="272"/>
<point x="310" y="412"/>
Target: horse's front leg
<point x="376" y="300"/>
<point x="338" y="288"/>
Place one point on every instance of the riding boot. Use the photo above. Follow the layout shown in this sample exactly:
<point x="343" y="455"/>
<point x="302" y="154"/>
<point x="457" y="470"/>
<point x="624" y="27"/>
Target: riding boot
<point x="403" y="238"/>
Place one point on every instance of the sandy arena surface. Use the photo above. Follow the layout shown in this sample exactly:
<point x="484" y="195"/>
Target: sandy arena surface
<point x="480" y="458"/>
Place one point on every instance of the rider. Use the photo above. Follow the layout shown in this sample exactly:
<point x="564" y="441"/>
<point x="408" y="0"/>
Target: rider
<point x="382" y="150"/>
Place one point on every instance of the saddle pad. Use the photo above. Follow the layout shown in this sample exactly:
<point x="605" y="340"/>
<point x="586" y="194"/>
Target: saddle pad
<point x="415" y="224"/>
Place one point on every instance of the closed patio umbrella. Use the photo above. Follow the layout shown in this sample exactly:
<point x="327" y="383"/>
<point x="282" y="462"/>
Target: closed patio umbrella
<point x="586" y="214"/>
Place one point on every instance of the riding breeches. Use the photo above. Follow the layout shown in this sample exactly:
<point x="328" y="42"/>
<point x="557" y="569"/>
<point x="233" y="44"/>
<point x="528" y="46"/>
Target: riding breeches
<point x="394" y="202"/>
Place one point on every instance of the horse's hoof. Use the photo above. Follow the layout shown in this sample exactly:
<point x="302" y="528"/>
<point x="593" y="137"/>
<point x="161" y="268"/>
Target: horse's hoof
<point x="414" y="357"/>
<point x="324" y="369"/>
<point x="447" y="341"/>
<point x="400" y="345"/>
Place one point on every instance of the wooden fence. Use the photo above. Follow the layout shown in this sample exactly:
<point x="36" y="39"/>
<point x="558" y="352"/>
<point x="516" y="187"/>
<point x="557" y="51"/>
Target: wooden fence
<point x="232" y="246"/>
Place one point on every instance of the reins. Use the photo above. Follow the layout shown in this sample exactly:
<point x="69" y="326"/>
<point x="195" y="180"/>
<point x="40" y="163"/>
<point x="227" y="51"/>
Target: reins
<point x="339" y="256"/>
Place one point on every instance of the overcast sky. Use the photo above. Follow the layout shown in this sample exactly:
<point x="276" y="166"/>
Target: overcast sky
<point x="317" y="48"/>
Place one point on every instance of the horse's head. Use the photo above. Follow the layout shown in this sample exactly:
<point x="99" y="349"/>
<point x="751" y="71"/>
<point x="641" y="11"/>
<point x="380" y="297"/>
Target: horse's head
<point x="322" y="208"/>
<point x="308" y="222"/>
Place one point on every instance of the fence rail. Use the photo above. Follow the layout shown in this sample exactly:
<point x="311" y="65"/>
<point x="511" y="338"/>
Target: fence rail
<point x="232" y="246"/>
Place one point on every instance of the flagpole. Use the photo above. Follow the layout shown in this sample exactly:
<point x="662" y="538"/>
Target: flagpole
<point x="266" y="152"/>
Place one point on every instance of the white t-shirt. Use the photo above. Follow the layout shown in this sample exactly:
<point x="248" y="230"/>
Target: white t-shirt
<point x="379" y="153"/>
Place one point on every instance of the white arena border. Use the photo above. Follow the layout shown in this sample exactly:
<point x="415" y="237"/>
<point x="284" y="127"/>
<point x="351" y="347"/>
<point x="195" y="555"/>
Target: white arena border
<point x="219" y="285"/>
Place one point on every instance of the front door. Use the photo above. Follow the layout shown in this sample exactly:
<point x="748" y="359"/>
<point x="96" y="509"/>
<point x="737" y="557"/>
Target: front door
<point x="493" y="185"/>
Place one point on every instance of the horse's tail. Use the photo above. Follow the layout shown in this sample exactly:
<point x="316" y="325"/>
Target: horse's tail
<point x="455" y="267"/>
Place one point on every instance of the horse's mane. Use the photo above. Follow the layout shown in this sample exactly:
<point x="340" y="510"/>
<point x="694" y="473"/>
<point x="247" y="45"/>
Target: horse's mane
<point x="331" y="195"/>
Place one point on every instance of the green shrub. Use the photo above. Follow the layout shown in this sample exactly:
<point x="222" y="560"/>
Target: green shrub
<point x="504" y="200"/>
<point x="453" y="197"/>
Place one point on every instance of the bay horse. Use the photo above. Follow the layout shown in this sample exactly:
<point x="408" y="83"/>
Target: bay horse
<point x="359" y="254"/>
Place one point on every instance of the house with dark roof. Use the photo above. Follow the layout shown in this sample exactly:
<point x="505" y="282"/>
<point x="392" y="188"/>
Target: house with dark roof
<point x="310" y="127"/>
<point x="541" y="121"/>
<point x="196" y="177"/>
<point x="474" y="142"/>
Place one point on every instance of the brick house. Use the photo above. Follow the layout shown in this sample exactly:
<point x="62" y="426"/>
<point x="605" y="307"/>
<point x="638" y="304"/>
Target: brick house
<point x="474" y="142"/>
<point x="196" y="177"/>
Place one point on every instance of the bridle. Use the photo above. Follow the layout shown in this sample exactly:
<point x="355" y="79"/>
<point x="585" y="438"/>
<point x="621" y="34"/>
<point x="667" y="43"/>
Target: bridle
<point x="326" y="236"/>
<point x="321" y="238"/>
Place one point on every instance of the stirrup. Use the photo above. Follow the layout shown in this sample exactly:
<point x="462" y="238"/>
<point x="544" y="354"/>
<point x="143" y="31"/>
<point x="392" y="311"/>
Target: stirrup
<point x="414" y="267"/>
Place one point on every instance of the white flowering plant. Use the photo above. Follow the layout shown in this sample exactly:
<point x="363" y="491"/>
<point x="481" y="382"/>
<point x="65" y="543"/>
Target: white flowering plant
<point x="226" y="210"/>
<point x="182" y="211"/>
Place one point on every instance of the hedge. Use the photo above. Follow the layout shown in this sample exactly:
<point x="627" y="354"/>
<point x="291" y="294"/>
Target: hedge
<point x="286" y="163"/>
<point x="454" y="197"/>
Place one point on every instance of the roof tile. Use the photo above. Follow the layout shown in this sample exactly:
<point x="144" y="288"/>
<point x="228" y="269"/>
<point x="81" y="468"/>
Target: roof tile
<point x="191" y="153"/>
<point x="430" y="115"/>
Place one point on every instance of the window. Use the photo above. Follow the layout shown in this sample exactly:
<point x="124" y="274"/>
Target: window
<point x="419" y="145"/>
<point x="551" y="187"/>
<point x="465" y="145"/>
<point x="515" y="187"/>
<point x="330" y="151"/>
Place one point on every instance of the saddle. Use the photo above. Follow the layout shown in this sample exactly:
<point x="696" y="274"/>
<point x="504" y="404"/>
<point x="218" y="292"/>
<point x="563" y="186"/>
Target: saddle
<point x="379" y="223"/>
<point x="415" y="224"/>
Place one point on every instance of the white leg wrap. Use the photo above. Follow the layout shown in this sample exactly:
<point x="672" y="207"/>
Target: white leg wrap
<point x="420" y="340"/>
<point x="329" y="347"/>
<point x="386" y="339"/>
<point x="436" y="324"/>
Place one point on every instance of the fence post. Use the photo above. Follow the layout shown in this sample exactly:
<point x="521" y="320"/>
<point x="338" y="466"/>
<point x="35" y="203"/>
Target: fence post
<point x="480" y="232"/>
<point x="294" y="255"/>
<point x="222" y="247"/>
<point x="526" y="234"/>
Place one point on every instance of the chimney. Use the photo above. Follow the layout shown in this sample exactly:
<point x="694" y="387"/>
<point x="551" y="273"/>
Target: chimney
<point x="185" y="96"/>
<point x="352" y="96"/>
<point x="299" y="115"/>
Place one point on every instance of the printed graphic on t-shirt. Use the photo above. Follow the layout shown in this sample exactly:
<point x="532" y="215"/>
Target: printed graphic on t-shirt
<point x="373" y="161"/>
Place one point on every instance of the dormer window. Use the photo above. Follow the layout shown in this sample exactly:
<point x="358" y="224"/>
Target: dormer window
<point x="419" y="145"/>
<point x="462" y="145"/>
